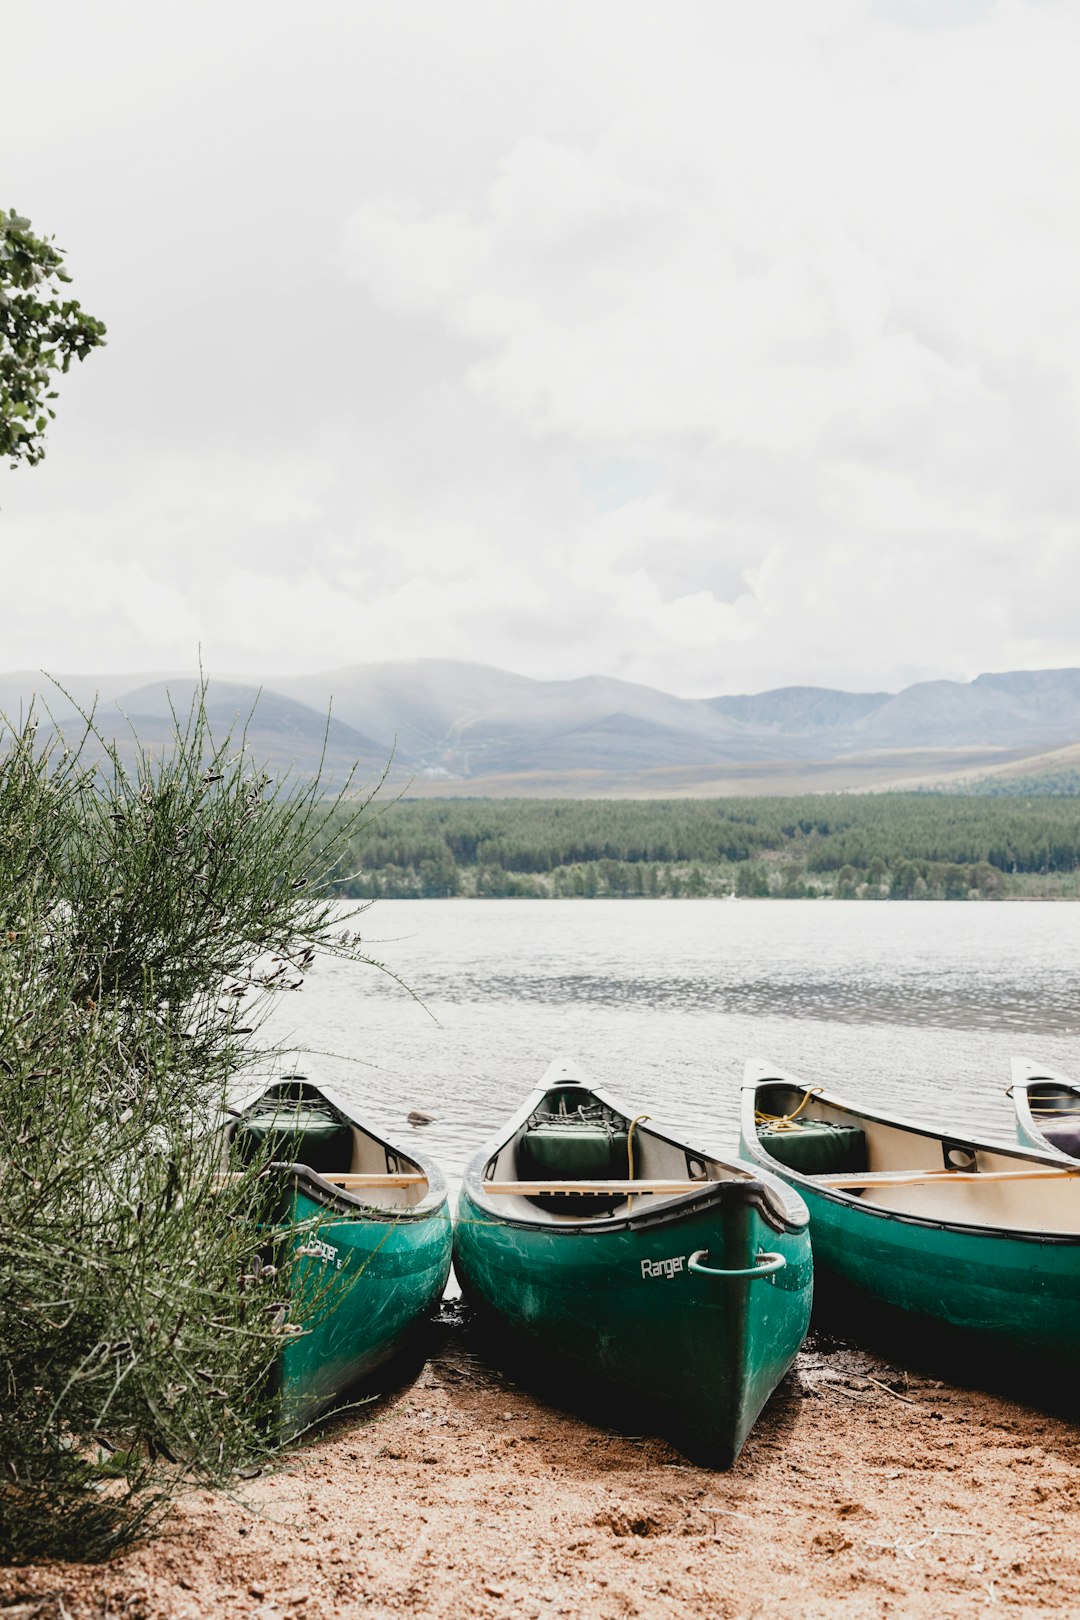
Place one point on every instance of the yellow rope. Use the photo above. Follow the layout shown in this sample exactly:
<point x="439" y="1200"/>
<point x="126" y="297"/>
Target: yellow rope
<point x="638" y="1119"/>
<point x="786" y="1122"/>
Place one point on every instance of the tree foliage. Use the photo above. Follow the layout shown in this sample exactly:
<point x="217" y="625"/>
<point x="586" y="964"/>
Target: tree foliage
<point x="872" y="846"/>
<point x="41" y="332"/>
<point x="147" y="920"/>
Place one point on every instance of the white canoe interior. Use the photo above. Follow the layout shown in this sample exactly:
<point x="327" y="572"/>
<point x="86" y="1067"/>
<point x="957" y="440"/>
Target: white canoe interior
<point x="914" y="1172"/>
<point x="1047" y="1107"/>
<point x="310" y="1129"/>
<point x="573" y="1155"/>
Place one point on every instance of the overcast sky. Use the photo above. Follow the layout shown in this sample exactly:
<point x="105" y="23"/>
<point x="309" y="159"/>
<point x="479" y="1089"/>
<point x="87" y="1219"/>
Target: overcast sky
<point x="717" y="346"/>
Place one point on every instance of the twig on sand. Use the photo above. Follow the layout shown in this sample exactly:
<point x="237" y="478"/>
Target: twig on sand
<point x="908" y="1549"/>
<point x="895" y="1393"/>
<point x="843" y="1389"/>
<point x="840" y="1381"/>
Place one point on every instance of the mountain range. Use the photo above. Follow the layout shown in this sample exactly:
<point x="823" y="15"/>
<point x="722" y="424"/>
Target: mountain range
<point x="463" y="728"/>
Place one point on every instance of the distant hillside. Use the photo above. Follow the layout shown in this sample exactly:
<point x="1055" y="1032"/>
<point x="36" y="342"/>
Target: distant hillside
<point x="800" y="709"/>
<point x="1055" y="774"/>
<point x="467" y="729"/>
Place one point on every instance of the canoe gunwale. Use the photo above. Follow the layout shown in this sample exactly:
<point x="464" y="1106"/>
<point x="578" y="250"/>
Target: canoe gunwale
<point x="808" y="1187"/>
<point x="307" y="1181"/>
<point x="752" y="1193"/>
<point x="1009" y="1150"/>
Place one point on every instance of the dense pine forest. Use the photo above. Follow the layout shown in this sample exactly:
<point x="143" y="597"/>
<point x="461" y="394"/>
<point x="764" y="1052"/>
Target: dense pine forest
<point x="903" y="846"/>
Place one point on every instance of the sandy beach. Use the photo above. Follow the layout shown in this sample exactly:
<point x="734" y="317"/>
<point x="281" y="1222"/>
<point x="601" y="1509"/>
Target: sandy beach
<point x="864" y="1490"/>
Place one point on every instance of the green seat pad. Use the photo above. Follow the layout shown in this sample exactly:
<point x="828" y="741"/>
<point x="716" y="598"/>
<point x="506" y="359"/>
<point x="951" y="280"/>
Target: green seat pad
<point x="305" y="1135"/>
<point x="572" y="1151"/>
<point x="816" y="1147"/>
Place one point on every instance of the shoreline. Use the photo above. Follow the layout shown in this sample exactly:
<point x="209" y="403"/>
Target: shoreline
<point x="864" y="1490"/>
<point x="698" y="899"/>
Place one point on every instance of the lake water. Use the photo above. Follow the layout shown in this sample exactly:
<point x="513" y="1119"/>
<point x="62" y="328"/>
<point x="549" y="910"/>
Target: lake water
<point x="914" y="1006"/>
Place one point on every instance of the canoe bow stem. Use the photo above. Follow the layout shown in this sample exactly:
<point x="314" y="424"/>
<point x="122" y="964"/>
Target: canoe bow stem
<point x="768" y="1264"/>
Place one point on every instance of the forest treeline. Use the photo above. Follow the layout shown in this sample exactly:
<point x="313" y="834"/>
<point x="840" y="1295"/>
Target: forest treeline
<point x="873" y="846"/>
<point x="1062" y="783"/>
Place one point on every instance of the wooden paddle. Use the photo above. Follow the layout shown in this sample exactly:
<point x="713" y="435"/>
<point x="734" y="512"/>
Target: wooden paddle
<point x="913" y="1178"/>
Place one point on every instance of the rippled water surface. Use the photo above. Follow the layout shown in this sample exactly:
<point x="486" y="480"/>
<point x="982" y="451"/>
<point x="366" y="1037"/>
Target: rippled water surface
<point x="914" y="1006"/>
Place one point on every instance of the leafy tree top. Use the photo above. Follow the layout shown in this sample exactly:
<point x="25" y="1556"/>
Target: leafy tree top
<point x="41" y="332"/>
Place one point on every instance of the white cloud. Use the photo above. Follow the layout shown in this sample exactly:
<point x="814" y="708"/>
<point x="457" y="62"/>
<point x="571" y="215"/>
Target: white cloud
<point x="716" y="347"/>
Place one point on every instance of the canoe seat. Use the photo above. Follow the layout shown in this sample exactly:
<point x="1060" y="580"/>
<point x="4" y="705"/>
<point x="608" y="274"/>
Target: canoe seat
<point x="555" y="1147"/>
<point x="307" y="1134"/>
<point x="816" y="1147"/>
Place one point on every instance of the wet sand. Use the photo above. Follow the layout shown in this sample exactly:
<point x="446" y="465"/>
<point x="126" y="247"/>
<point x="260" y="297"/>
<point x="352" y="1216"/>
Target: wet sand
<point x="863" y="1491"/>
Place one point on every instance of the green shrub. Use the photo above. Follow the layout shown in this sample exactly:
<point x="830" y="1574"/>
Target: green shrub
<point x="147" y="920"/>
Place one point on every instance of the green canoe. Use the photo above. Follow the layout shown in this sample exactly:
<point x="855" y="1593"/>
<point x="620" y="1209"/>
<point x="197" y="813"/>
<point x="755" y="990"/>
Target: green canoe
<point x="380" y="1255"/>
<point x="1047" y="1109"/>
<point x="946" y="1241"/>
<point x="674" y="1284"/>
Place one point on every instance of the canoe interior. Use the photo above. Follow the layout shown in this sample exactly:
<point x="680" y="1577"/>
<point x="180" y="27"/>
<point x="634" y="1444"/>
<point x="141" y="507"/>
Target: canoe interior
<point x="573" y="1135"/>
<point x="294" y="1122"/>
<point x="817" y="1136"/>
<point x="1054" y="1106"/>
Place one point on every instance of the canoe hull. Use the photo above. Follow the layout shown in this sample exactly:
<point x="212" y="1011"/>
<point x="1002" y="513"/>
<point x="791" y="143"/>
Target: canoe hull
<point x="1020" y="1294"/>
<point x="694" y="1355"/>
<point x="365" y="1226"/>
<point x="375" y="1281"/>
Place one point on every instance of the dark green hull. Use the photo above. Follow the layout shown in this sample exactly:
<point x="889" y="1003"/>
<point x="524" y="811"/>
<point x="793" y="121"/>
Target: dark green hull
<point x="616" y="1306"/>
<point x="1013" y="1296"/>
<point x="369" y="1261"/>
<point x="376" y="1281"/>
